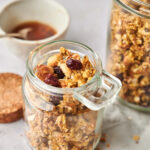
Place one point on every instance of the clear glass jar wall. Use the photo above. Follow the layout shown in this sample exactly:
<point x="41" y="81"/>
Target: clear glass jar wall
<point x="128" y="52"/>
<point x="75" y="123"/>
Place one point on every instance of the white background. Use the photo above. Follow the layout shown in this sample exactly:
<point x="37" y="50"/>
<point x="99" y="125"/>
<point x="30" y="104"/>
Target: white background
<point x="89" y="20"/>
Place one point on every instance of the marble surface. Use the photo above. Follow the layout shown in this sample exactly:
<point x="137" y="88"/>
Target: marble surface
<point x="88" y="25"/>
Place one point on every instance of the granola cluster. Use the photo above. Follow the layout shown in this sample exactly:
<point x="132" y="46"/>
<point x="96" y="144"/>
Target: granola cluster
<point x="129" y="59"/>
<point x="69" y="125"/>
<point x="69" y="69"/>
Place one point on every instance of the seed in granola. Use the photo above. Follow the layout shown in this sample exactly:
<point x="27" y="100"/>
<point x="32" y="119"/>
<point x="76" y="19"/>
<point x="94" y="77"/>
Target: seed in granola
<point x="56" y="99"/>
<point x="52" y="80"/>
<point x="74" y="64"/>
<point x="147" y="30"/>
<point x="59" y="72"/>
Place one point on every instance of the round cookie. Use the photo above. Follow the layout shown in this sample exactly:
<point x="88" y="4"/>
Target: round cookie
<point x="11" y="101"/>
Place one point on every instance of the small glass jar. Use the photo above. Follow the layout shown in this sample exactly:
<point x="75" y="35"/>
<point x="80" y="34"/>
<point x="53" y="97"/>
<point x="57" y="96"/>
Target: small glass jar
<point x="128" y="51"/>
<point x="77" y="124"/>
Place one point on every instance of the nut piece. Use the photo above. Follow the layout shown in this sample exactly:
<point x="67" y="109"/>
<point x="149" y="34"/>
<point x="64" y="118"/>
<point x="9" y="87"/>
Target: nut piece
<point x="128" y="59"/>
<point x="53" y="60"/>
<point x="42" y="71"/>
<point x="65" y="70"/>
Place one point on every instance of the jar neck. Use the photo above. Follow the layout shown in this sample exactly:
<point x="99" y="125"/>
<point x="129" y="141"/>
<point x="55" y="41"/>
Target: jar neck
<point x="138" y="7"/>
<point x="41" y="54"/>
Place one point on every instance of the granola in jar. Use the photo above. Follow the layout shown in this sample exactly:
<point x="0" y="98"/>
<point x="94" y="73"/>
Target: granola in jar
<point x="65" y="91"/>
<point x="129" y="50"/>
<point x="69" y="125"/>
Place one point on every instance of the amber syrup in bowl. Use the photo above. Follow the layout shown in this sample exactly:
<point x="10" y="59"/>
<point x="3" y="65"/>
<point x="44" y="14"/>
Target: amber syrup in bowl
<point x="38" y="31"/>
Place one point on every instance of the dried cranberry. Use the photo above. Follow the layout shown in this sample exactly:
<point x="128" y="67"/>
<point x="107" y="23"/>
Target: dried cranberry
<point x="74" y="64"/>
<point x="52" y="80"/>
<point x="59" y="72"/>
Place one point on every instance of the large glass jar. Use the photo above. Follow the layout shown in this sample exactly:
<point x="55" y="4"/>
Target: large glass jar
<point x="128" y="51"/>
<point x="76" y="123"/>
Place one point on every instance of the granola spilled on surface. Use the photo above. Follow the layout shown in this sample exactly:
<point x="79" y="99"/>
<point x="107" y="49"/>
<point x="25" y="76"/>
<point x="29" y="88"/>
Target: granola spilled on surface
<point x="69" y="125"/>
<point x="129" y="59"/>
<point x="136" y="138"/>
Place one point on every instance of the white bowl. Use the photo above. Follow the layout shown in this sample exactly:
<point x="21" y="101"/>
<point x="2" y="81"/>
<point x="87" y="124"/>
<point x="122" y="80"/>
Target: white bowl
<point x="46" y="11"/>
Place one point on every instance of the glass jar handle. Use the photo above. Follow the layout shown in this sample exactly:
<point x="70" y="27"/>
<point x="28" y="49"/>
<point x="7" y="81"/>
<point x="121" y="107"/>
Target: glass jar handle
<point x="108" y="89"/>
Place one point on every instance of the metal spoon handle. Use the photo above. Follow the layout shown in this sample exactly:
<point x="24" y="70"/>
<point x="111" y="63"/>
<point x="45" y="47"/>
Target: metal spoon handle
<point x="11" y="35"/>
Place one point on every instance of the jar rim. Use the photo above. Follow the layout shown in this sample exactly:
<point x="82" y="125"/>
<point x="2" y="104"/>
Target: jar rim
<point x="141" y="2"/>
<point x="133" y="10"/>
<point x="43" y="86"/>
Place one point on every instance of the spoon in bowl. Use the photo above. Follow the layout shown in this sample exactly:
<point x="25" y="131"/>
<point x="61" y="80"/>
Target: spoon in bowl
<point x="22" y="34"/>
